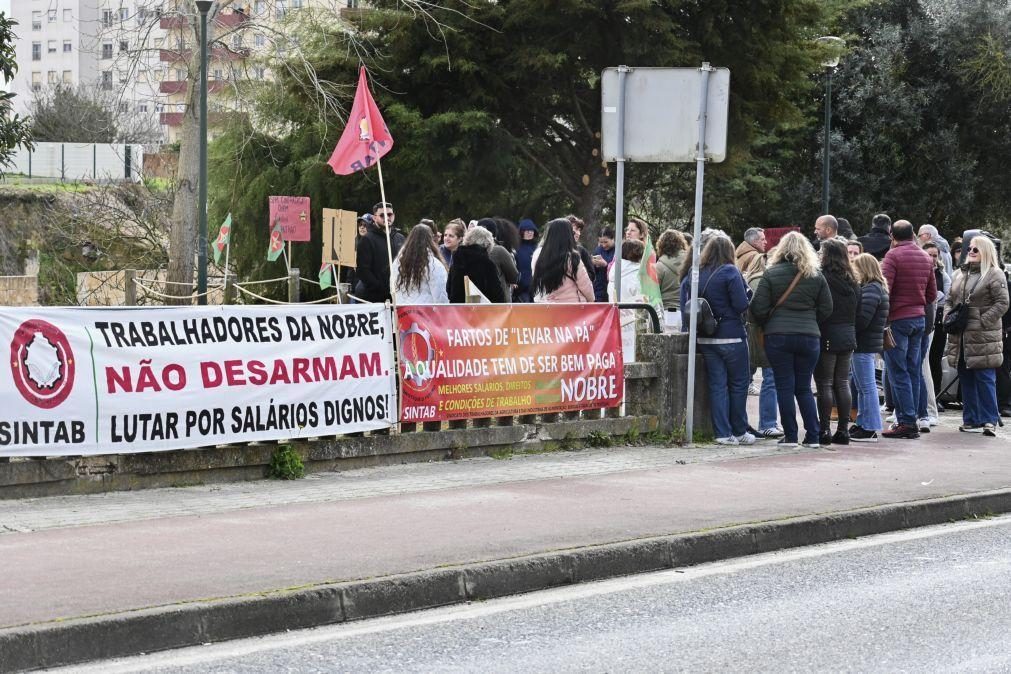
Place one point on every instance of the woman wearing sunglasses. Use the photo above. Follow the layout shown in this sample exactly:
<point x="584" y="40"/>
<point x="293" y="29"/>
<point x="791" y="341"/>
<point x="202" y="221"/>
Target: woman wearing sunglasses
<point x="979" y="293"/>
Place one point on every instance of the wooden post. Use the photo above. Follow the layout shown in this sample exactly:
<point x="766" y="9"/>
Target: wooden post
<point x="229" y="297"/>
<point x="293" y="289"/>
<point x="130" y="287"/>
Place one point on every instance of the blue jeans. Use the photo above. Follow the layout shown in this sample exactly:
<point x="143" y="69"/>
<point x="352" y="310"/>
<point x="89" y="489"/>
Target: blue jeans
<point x="868" y="412"/>
<point x="793" y="358"/>
<point x="905" y="368"/>
<point x="979" y="395"/>
<point x="728" y="373"/>
<point x="767" y="401"/>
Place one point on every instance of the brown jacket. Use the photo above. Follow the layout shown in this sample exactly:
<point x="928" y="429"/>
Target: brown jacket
<point x="746" y="255"/>
<point x="987" y="299"/>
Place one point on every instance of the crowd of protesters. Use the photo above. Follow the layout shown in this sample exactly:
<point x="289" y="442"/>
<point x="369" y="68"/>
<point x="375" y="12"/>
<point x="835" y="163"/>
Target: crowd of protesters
<point x="865" y="319"/>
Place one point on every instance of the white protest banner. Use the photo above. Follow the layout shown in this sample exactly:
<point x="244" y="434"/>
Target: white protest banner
<point x="111" y="381"/>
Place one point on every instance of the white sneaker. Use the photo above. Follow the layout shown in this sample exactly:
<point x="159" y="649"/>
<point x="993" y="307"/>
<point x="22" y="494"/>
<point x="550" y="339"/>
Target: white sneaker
<point x="728" y="441"/>
<point x="923" y="425"/>
<point x="746" y="439"/>
<point x="932" y="421"/>
<point x="890" y="419"/>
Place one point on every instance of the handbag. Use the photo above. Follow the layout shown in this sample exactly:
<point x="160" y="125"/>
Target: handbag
<point x="957" y="319"/>
<point x="888" y="339"/>
<point x="707" y="320"/>
<point x="759" y="330"/>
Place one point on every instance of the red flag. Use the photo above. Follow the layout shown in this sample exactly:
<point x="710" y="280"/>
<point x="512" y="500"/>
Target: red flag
<point x="365" y="138"/>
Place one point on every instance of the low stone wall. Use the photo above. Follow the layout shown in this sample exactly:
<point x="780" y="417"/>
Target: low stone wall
<point x="653" y="389"/>
<point x="19" y="291"/>
<point x="110" y="288"/>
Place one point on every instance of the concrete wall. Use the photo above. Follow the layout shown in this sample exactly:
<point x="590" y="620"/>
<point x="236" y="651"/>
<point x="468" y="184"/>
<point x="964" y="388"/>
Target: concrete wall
<point x="19" y="291"/>
<point x="654" y="401"/>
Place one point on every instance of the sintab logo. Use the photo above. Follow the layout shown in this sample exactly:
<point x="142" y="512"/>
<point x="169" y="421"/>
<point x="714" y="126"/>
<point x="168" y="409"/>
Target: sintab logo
<point x="42" y="363"/>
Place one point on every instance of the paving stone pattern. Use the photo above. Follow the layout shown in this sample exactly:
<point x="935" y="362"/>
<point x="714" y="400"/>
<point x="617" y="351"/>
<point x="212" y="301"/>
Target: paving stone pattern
<point x="53" y="512"/>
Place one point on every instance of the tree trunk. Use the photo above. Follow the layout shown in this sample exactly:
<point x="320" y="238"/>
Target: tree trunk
<point x="185" y="207"/>
<point x="591" y="203"/>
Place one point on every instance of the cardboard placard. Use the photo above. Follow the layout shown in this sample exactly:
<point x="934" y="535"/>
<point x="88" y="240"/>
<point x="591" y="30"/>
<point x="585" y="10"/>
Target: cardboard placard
<point x="340" y="229"/>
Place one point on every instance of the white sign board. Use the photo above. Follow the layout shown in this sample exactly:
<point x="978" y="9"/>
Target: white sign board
<point x="662" y="113"/>
<point x="111" y="381"/>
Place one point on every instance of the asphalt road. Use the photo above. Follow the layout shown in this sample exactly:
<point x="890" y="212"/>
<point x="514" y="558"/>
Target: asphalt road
<point x="934" y="599"/>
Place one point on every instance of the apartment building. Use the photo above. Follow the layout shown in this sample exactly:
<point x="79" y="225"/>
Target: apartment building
<point x="91" y="43"/>
<point x="141" y="50"/>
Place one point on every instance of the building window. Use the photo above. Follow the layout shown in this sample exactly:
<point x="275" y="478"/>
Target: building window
<point x="107" y="18"/>
<point x="141" y="16"/>
<point x="158" y="107"/>
<point x="36" y="80"/>
<point x="51" y="46"/>
<point x="68" y="15"/>
<point x="259" y="72"/>
<point x="258" y="7"/>
<point x="236" y="42"/>
<point x="159" y="41"/>
<point x="68" y="77"/>
<point x="159" y="75"/>
<point x="107" y="80"/>
<point x="180" y="75"/>
<point x="68" y="46"/>
<point x="36" y="20"/>
<point x="124" y="13"/>
<point x="259" y="39"/>
<point x="142" y="107"/>
<point x="124" y="107"/>
<point x="52" y="16"/>
<point x="124" y="46"/>
<point x="51" y="77"/>
<point x="217" y="74"/>
<point x="279" y="10"/>
<point x="296" y="4"/>
<point x="36" y="51"/>
<point x="107" y="50"/>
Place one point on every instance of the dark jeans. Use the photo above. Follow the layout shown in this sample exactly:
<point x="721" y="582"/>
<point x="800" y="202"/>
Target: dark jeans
<point x="904" y="367"/>
<point x="832" y="378"/>
<point x="728" y="373"/>
<point x="793" y="358"/>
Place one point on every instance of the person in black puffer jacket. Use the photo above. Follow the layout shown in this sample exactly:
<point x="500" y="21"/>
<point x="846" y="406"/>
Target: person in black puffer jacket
<point x="472" y="260"/>
<point x="872" y="316"/>
<point x="838" y="340"/>
<point x="878" y="240"/>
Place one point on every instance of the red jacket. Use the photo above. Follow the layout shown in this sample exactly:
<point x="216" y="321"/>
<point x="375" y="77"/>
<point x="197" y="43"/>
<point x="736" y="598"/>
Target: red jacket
<point x="910" y="275"/>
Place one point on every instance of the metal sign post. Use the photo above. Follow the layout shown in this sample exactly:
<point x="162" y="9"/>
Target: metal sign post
<point x="619" y="192"/>
<point x="693" y="324"/>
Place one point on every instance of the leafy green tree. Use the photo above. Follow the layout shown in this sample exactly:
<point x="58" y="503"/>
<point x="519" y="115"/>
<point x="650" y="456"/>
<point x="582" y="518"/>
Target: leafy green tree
<point x="922" y="121"/>
<point x="495" y="108"/>
<point x="14" y="130"/>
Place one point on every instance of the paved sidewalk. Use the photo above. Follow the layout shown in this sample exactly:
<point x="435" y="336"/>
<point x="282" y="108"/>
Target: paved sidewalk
<point x="67" y="558"/>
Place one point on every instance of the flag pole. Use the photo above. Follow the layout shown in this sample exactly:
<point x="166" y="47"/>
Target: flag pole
<point x="228" y="251"/>
<point x="287" y="263"/>
<point x="389" y="246"/>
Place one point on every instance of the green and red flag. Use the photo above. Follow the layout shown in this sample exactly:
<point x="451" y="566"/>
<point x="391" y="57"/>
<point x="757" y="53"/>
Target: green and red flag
<point x="276" y="245"/>
<point x="649" y="282"/>
<point x="326" y="276"/>
<point x="223" y="240"/>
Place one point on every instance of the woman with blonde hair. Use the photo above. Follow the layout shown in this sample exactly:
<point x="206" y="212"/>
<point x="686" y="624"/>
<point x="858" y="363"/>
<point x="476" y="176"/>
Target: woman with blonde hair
<point x="872" y="315"/>
<point x="979" y="293"/>
<point x="791" y="300"/>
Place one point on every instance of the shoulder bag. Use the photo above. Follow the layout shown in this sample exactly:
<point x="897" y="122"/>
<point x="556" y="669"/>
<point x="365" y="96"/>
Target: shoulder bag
<point x="958" y="318"/>
<point x="760" y="331"/>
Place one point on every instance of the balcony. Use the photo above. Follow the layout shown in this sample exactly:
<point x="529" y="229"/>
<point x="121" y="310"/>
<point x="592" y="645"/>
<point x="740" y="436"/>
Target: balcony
<point x="171" y="118"/>
<point x="178" y="21"/>
<point x="179" y="86"/>
<point x="216" y="54"/>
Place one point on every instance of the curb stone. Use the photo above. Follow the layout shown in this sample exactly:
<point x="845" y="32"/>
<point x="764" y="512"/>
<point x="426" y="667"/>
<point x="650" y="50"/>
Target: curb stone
<point x="80" y="640"/>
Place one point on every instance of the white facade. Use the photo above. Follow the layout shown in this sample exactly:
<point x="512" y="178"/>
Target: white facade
<point x="88" y="42"/>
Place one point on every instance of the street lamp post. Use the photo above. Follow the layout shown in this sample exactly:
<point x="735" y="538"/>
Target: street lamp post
<point x="833" y="50"/>
<point x="203" y="6"/>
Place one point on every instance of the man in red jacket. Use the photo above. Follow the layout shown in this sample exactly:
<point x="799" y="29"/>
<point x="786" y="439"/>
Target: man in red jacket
<point x="911" y="286"/>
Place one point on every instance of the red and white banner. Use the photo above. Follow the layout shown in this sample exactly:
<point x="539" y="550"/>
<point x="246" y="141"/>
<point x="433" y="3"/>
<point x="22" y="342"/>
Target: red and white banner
<point x="466" y="361"/>
<point x="109" y="381"/>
